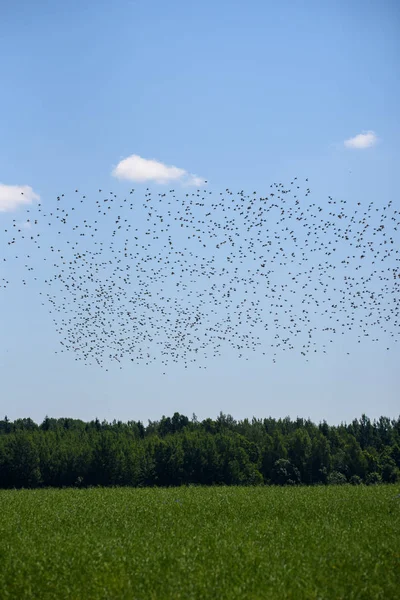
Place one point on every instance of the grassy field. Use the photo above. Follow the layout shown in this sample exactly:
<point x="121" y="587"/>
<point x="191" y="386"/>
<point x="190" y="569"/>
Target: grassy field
<point x="322" y="542"/>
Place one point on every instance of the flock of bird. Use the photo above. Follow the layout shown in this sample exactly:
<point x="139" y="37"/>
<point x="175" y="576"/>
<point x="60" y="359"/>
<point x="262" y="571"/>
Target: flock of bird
<point x="185" y="276"/>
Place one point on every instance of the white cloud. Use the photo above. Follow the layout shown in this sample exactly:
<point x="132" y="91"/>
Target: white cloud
<point x="362" y="140"/>
<point x="136" y="168"/>
<point x="13" y="196"/>
<point x="24" y="225"/>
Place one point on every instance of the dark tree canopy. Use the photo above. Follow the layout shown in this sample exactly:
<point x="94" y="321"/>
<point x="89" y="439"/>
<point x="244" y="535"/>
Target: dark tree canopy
<point x="177" y="451"/>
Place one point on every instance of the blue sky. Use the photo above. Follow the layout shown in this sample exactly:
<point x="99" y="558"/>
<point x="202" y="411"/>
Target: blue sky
<point x="240" y="94"/>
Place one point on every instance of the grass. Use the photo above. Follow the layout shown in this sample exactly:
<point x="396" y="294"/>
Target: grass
<point x="220" y="543"/>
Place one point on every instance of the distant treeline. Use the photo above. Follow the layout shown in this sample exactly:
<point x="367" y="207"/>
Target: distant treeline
<point x="178" y="451"/>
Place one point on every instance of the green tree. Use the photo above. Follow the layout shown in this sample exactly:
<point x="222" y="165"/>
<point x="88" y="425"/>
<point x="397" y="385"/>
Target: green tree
<point x="355" y="459"/>
<point x="373" y="479"/>
<point x="300" y="453"/>
<point x="22" y="464"/>
<point x="320" y="458"/>
<point x="109" y="461"/>
<point x="336" y="478"/>
<point x="285" y="473"/>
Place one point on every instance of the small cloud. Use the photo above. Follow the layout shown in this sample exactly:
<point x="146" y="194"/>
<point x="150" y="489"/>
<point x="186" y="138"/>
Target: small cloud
<point x="13" y="196"/>
<point x="194" y="180"/>
<point x="362" y="140"/>
<point x="136" y="168"/>
<point x="24" y="225"/>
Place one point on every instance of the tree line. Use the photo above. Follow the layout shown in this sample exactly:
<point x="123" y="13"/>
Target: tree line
<point x="177" y="451"/>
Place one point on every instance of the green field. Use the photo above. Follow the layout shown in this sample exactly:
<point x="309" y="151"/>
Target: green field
<point x="197" y="542"/>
